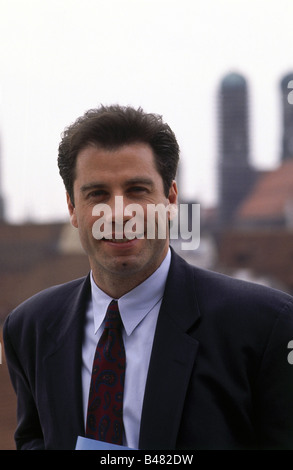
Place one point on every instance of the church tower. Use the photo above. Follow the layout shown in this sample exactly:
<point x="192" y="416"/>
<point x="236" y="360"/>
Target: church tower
<point x="235" y="174"/>
<point x="287" y="118"/>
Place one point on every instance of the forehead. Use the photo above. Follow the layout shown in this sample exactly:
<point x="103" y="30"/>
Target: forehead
<point x="127" y="159"/>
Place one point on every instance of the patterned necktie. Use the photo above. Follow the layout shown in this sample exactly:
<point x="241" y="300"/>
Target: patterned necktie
<point x="105" y="406"/>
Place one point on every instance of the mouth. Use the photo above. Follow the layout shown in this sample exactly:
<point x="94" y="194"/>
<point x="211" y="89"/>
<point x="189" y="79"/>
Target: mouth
<point x="122" y="239"/>
<point x="116" y="240"/>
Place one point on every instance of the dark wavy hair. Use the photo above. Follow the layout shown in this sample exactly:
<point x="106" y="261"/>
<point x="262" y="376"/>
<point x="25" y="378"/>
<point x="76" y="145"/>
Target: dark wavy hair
<point x="110" y="127"/>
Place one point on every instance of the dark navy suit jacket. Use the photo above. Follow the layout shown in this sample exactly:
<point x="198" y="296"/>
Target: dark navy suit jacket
<point x="219" y="375"/>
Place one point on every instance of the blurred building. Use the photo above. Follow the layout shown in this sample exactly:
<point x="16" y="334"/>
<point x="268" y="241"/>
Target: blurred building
<point x="287" y="119"/>
<point x="270" y="203"/>
<point x="259" y="241"/>
<point x="236" y="176"/>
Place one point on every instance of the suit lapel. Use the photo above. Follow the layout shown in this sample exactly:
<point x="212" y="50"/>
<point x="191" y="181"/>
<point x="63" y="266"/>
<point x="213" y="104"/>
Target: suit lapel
<point x="172" y="360"/>
<point x="62" y="368"/>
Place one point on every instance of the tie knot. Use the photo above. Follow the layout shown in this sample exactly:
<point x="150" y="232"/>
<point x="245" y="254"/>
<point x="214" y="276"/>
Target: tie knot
<point x="113" y="319"/>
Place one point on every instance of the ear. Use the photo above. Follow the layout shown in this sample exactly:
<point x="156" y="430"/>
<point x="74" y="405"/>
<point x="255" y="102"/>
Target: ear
<point x="72" y="212"/>
<point x="173" y="199"/>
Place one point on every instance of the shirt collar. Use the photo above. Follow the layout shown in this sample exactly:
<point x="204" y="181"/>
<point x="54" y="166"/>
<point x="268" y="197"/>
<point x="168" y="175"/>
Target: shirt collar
<point x="137" y="303"/>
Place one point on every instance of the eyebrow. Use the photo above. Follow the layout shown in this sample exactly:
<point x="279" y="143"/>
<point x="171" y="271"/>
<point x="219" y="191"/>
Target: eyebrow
<point x="139" y="180"/>
<point x="129" y="182"/>
<point x="93" y="185"/>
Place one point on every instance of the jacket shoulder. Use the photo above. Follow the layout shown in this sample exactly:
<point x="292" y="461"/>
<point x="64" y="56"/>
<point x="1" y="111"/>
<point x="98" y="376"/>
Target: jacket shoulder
<point x="218" y="293"/>
<point x="238" y="291"/>
<point x="46" y="303"/>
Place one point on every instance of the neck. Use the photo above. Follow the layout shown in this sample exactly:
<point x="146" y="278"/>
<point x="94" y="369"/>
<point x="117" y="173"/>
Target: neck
<point x="116" y="288"/>
<point x="120" y="282"/>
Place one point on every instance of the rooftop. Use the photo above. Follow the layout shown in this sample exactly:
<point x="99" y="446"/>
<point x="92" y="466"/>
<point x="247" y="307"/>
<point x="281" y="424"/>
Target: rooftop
<point x="271" y="199"/>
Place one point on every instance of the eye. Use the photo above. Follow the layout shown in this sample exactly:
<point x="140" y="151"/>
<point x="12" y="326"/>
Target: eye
<point x="96" y="193"/>
<point x="138" y="189"/>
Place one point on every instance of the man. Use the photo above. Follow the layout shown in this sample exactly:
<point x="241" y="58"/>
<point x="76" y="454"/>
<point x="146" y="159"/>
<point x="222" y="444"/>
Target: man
<point x="206" y="355"/>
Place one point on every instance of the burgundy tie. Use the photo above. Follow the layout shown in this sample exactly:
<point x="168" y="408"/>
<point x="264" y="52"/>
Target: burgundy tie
<point x="105" y="406"/>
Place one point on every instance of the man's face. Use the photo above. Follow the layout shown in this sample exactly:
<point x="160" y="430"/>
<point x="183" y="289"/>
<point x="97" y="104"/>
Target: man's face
<point x="101" y="175"/>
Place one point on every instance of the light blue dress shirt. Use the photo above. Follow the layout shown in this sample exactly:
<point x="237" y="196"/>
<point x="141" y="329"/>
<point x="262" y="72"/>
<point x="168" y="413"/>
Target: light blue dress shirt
<point x="139" y="310"/>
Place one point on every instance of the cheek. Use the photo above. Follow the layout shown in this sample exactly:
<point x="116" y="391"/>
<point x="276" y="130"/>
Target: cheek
<point x="82" y="220"/>
<point x="85" y="232"/>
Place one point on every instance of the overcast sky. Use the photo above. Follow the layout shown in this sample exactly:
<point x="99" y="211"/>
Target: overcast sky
<point x="61" y="57"/>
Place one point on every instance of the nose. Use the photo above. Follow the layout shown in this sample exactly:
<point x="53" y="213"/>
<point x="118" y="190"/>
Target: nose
<point x="118" y="215"/>
<point x="117" y="211"/>
<point x="119" y="219"/>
